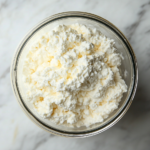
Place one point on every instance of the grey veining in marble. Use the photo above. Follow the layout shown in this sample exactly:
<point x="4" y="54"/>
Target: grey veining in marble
<point x="132" y="132"/>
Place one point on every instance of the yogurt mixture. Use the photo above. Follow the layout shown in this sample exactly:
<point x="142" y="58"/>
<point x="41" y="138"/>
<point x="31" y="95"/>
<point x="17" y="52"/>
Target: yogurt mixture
<point x="72" y="76"/>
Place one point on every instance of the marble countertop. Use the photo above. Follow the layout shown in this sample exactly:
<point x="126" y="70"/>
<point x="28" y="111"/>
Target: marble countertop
<point x="132" y="132"/>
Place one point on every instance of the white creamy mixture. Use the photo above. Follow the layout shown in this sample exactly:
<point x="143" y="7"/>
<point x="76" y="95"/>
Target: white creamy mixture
<point x="72" y="76"/>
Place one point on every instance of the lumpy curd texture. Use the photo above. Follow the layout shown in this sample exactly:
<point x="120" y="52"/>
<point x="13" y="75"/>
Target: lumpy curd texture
<point x="72" y="76"/>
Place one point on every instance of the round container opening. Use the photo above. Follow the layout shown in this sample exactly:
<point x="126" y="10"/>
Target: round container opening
<point x="128" y="65"/>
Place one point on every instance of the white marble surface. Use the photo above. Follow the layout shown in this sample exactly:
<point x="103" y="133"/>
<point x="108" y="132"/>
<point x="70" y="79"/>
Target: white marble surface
<point x="17" y="132"/>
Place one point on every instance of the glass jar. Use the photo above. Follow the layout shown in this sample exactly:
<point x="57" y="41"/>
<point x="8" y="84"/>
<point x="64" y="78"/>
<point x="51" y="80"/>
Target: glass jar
<point x="129" y="65"/>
